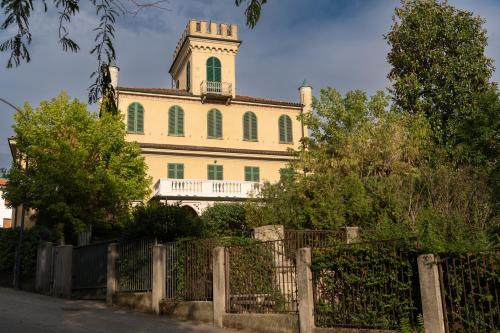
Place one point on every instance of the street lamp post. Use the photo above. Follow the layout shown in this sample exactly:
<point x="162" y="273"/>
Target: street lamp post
<point x="17" y="259"/>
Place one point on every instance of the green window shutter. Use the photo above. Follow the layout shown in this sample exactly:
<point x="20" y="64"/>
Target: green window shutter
<point x="215" y="172"/>
<point x="246" y="126"/>
<point x="213" y="69"/>
<point x="175" y="171"/>
<point x="176" y="121"/>
<point x="188" y="76"/>
<point x="282" y="128"/>
<point x="252" y="174"/>
<point x="139" y="125"/>
<point x="285" y="129"/>
<point x="249" y="126"/>
<point x="210" y="124"/>
<point x="289" y="137"/>
<point x="214" y="124"/>
<point x="218" y="124"/>
<point x="131" y="118"/>
<point x="253" y="123"/>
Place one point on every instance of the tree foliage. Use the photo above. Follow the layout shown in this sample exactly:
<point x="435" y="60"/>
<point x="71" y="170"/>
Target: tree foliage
<point x="439" y="68"/>
<point x="80" y="170"/>
<point x="225" y="219"/>
<point x="366" y="164"/>
<point x="166" y="223"/>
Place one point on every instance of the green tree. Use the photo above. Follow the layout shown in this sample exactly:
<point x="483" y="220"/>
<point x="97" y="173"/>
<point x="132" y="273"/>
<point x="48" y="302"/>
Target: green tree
<point x="439" y="66"/>
<point x="80" y="171"/>
<point x="163" y="222"/>
<point x="367" y="164"/>
<point x="225" y="220"/>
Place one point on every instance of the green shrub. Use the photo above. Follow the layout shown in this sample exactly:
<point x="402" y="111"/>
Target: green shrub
<point x="164" y="222"/>
<point x="226" y="220"/>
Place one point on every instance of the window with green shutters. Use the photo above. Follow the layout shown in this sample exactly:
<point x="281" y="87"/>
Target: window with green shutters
<point x="285" y="129"/>
<point x="252" y="174"/>
<point x="188" y="76"/>
<point x="215" y="172"/>
<point x="135" y="118"/>
<point x="176" y="121"/>
<point x="214" y="124"/>
<point x="213" y="69"/>
<point x="249" y="126"/>
<point x="175" y="171"/>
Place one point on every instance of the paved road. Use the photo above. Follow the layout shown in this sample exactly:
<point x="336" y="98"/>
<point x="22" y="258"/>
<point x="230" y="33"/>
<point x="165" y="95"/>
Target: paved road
<point x="22" y="312"/>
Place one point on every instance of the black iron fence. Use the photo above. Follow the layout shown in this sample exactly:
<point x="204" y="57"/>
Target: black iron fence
<point x="296" y="239"/>
<point x="366" y="285"/>
<point x="189" y="270"/>
<point x="89" y="270"/>
<point x="260" y="278"/>
<point x="471" y="287"/>
<point x="135" y="265"/>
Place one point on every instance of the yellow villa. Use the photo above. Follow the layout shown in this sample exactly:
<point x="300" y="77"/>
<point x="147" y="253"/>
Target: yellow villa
<point x="201" y="140"/>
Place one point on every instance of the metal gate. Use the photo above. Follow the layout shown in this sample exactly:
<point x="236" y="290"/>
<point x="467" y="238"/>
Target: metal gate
<point x="89" y="271"/>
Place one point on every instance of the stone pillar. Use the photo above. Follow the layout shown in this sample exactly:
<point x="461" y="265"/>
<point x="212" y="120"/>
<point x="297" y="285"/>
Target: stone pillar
<point x="269" y="233"/>
<point x="430" y="291"/>
<point x="44" y="263"/>
<point x="63" y="261"/>
<point x="112" y="273"/>
<point x="219" y="286"/>
<point x="159" y="277"/>
<point x="305" y="290"/>
<point x="352" y="234"/>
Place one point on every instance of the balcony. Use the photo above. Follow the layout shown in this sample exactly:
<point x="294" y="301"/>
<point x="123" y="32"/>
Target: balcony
<point x="213" y="90"/>
<point x="207" y="189"/>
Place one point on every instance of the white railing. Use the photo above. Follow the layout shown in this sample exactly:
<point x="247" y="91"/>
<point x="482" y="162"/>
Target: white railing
<point x="216" y="88"/>
<point x="206" y="188"/>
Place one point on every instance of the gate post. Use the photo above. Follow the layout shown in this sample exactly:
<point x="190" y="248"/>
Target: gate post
<point x="305" y="290"/>
<point x="112" y="273"/>
<point x="219" y="286"/>
<point x="63" y="261"/>
<point x="159" y="272"/>
<point x="44" y="267"/>
<point x="430" y="290"/>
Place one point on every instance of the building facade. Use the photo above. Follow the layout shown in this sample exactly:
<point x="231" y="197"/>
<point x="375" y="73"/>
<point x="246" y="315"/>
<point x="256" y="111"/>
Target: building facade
<point x="201" y="140"/>
<point x="5" y="212"/>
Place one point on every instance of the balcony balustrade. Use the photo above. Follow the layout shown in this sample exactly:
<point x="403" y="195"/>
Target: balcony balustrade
<point x="216" y="90"/>
<point x="197" y="188"/>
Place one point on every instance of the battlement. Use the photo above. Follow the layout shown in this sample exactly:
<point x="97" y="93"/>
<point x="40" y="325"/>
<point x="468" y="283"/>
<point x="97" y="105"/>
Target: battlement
<point x="207" y="29"/>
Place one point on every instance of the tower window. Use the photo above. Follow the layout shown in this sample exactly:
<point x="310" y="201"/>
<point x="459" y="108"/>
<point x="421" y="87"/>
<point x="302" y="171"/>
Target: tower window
<point x="176" y="121"/>
<point x="285" y="129"/>
<point x="213" y="69"/>
<point x="198" y="26"/>
<point x="219" y="29"/>
<point x="249" y="126"/>
<point x="229" y="31"/>
<point x="135" y="118"/>
<point x="214" y="124"/>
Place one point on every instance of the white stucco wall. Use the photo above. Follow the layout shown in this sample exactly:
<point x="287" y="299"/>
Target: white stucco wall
<point x="4" y="211"/>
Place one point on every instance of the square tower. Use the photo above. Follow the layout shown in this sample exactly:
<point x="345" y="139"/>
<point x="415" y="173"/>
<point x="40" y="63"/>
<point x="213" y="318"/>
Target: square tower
<point x="204" y="60"/>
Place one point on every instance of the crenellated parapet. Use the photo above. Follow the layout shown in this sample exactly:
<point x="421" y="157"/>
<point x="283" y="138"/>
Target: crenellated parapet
<point x="202" y="28"/>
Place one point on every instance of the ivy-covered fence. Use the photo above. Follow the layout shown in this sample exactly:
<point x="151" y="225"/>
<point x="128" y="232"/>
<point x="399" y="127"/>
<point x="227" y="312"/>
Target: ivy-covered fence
<point x="471" y="287"/>
<point x="366" y="285"/>
<point x="260" y="278"/>
<point x="296" y="239"/>
<point x="189" y="269"/>
<point x="135" y="265"/>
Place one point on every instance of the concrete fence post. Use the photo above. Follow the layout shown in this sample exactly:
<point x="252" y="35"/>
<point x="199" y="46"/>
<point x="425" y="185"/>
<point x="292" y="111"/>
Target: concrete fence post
<point x="352" y="234"/>
<point x="112" y="273"/>
<point x="305" y="290"/>
<point x="43" y="280"/>
<point x="159" y="277"/>
<point x="63" y="261"/>
<point x="219" y="286"/>
<point x="430" y="291"/>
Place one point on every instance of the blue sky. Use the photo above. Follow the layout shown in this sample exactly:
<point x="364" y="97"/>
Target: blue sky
<point x="337" y="43"/>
